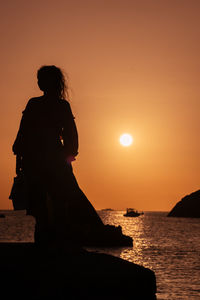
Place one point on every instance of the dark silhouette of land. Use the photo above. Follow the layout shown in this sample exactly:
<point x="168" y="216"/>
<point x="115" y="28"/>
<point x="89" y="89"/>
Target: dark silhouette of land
<point x="28" y="272"/>
<point x="188" y="207"/>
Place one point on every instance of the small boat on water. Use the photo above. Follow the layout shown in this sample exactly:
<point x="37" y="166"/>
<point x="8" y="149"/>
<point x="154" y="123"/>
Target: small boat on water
<point x="131" y="212"/>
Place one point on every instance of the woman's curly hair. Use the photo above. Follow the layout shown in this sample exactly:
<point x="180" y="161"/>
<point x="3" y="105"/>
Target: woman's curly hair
<point x="51" y="78"/>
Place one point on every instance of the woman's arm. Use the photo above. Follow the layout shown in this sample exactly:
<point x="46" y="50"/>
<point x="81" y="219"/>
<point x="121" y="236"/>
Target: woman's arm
<point x="19" y="164"/>
<point x="18" y="146"/>
<point x="18" y="143"/>
<point x="69" y="133"/>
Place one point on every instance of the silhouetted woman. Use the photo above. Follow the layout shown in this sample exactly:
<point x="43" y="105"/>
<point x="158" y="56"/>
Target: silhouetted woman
<point x="46" y="144"/>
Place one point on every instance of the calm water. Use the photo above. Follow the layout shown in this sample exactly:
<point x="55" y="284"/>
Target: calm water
<point x="168" y="246"/>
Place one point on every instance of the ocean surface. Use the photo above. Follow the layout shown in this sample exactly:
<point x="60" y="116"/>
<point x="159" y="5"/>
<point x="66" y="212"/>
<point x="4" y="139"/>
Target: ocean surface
<point x="168" y="246"/>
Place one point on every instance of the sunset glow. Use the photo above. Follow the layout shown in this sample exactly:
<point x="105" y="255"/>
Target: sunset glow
<point x="132" y="66"/>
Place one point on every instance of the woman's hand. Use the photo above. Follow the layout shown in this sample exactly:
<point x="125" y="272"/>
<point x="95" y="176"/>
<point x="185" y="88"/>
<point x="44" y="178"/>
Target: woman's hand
<point x="70" y="158"/>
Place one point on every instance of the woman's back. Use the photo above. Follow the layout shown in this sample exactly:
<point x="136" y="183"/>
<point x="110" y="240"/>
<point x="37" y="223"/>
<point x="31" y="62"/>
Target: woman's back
<point x="47" y="131"/>
<point x="43" y="123"/>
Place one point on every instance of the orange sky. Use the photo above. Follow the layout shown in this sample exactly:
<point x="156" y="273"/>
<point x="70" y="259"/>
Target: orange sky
<point x="133" y="66"/>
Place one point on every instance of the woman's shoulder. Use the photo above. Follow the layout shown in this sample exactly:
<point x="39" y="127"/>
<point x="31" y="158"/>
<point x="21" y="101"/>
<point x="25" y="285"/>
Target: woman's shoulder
<point x="35" y="100"/>
<point x="64" y="103"/>
<point x="32" y="103"/>
<point x="66" y="108"/>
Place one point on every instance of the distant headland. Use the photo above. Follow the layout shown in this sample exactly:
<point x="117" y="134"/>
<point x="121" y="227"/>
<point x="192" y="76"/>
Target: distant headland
<point x="188" y="207"/>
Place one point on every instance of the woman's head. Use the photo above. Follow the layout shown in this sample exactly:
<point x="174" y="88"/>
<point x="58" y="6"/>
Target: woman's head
<point x="51" y="80"/>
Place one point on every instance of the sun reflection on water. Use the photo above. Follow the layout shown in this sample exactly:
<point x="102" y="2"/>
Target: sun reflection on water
<point x="166" y="246"/>
<point x="133" y="227"/>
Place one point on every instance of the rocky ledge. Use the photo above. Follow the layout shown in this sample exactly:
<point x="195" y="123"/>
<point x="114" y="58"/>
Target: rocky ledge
<point x="188" y="207"/>
<point x="106" y="236"/>
<point x="29" y="272"/>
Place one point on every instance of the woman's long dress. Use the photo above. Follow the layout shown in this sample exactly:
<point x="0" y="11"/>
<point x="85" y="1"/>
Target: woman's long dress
<point x="46" y="139"/>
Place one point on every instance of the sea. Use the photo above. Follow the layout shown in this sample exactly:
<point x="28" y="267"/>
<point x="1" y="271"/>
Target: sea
<point x="168" y="246"/>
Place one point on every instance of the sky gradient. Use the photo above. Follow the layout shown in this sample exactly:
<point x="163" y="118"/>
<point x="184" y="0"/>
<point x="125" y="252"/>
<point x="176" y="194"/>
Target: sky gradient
<point x="133" y="66"/>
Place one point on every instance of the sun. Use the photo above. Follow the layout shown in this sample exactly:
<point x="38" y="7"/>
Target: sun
<point x="126" y="139"/>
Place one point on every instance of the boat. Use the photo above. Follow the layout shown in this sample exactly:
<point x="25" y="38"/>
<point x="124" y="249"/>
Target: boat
<point x="2" y="216"/>
<point x="131" y="212"/>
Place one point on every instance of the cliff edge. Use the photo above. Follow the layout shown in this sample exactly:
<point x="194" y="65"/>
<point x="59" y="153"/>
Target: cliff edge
<point x="188" y="207"/>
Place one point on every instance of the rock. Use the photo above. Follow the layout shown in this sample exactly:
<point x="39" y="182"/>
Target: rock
<point x="29" y="272"/>
<point x="188" y="207"/>
<point x="107" y="236"/>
